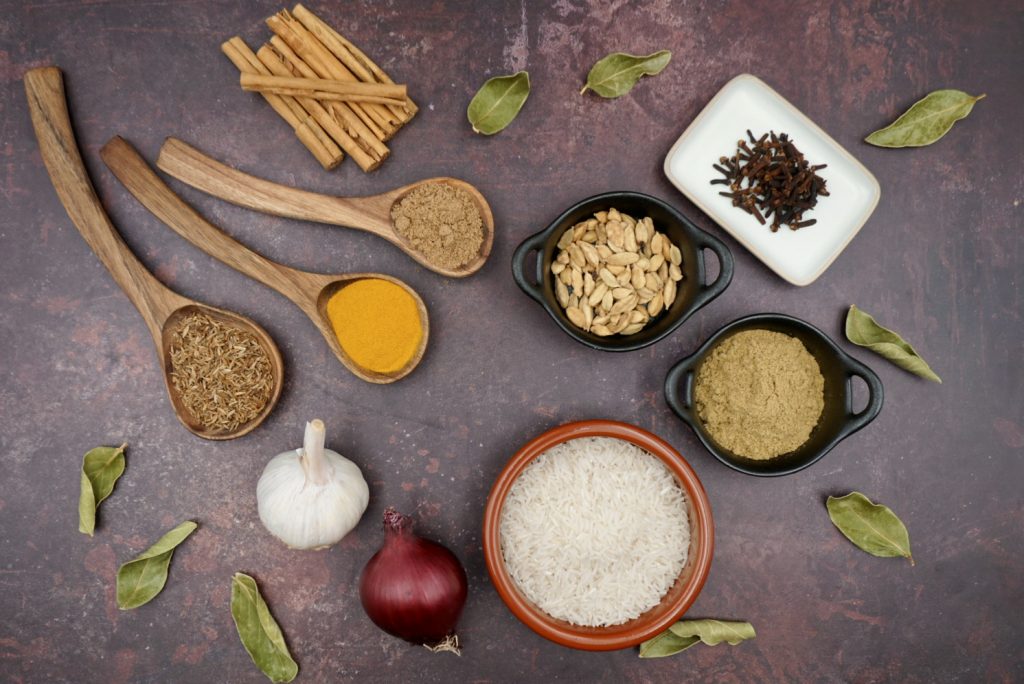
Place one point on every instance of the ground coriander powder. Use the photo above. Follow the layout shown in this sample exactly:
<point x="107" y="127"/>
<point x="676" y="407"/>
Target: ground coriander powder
<point x="442" y="222"/>
<point x="759" y="393"/>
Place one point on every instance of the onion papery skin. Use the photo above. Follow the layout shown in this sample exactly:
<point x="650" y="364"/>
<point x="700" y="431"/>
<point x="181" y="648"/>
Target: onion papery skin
<point x="413" y="588"/>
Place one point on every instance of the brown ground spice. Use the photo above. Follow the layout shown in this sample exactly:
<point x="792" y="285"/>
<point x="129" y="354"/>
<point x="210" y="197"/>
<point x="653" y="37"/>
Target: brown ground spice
<point x="759" y="393"/>
<point x="441" y="222"/>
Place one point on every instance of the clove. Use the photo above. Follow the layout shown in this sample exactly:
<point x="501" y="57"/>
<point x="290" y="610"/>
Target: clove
<point x="769" y="177"/>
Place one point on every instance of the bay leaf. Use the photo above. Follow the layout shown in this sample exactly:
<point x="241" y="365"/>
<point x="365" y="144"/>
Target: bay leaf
<point x="864" y="331"/>
<point x="259" y="632"/>
<point x="926" y="121"/>
<point x="872" y="527"/>
<point x="498" y="102"/>
<point x="101" y="467"/>
<point x="142" y="578"/>
<point x="685" y="633"/>
<point x="713" y="632"/>
<point x="666" y="644"/>
<point x="616" y="74"/>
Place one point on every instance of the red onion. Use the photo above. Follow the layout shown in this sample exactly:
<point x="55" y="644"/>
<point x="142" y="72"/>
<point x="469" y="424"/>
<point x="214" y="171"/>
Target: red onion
<point x="412" y="588"/>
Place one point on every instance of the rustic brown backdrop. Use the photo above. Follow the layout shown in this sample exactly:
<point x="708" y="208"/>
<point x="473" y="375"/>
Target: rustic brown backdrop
<point x="941" y="261"/>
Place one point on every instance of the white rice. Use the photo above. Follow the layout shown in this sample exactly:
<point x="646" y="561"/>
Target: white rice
<point x="595" y="531"/>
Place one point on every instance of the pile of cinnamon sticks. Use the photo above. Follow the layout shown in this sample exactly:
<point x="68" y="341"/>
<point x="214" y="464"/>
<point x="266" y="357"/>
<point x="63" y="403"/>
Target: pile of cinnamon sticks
<point x="334" y="97"/>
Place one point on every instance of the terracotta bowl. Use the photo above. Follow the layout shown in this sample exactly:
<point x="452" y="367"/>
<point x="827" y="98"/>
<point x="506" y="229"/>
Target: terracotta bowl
<point x="656" y="620"/>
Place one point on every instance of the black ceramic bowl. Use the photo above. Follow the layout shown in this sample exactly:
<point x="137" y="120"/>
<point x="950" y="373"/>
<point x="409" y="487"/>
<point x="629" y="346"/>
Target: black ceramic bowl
<point x="693" y="292"/>
<point x="837" y="422"/>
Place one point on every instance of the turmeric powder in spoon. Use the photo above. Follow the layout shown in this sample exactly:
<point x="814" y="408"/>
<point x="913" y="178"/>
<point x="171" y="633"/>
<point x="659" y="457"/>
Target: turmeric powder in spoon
<point x="377" y="324"/>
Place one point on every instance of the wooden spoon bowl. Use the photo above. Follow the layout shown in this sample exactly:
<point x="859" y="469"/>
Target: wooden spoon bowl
<point x="371" y="214"/>
<point x="234" y="320"/>
<point x="309" y="291"/>
<point x="161" y="308"/>
<point x="323" y="323"/>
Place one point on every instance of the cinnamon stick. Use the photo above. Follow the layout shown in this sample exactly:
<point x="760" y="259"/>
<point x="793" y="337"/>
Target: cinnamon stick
<point x="340" y="110"/>
<point x="311" y="51"/>
<point x="309" y="132"/>
<point x="339" y="122"/>
<point x="323" y="89"/>
<point x="352" y="57"/>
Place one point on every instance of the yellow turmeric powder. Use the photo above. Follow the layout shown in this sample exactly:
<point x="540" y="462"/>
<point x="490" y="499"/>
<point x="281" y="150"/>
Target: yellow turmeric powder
<point x="377" y="324"/>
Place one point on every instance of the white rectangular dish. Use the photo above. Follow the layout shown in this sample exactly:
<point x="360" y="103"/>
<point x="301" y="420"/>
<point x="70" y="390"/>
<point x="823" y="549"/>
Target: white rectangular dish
<point x="747" y="102"/>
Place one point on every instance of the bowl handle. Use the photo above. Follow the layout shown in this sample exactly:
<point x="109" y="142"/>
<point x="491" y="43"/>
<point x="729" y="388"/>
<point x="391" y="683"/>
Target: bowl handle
<point x="679" y="390"/>
<point x="709" y="291"/>
<point x="519" y="266"/>
<point x="856" y="421"/>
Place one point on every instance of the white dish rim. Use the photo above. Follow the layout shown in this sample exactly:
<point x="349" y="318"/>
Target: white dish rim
<point x="724" y="223"/>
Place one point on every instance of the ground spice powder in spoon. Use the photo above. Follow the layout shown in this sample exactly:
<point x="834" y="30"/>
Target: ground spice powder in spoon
<point x="759" y="393"/>
<point x="377" y="324"/>
<point x="441" y="222"/>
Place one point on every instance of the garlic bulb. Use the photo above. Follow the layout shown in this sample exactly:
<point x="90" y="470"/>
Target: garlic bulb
<point x="311" y="497"/>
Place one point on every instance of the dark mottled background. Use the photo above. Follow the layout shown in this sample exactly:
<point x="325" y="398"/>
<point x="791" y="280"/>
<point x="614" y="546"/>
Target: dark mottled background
<point x="940" y="260"/>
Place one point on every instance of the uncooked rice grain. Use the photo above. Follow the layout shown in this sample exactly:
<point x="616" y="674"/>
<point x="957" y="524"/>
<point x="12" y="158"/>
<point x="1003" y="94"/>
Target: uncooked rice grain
<point x="595" y="531"/>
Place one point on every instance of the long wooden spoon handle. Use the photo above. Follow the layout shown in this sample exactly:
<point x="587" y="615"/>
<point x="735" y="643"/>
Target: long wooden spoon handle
<point x="47" y="105"/>
<point x="143" y="183"/>
<point x="191" y="166"/>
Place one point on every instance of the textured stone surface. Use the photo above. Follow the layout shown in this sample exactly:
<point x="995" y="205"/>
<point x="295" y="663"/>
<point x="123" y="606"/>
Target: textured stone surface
<point x="940" y="261"/>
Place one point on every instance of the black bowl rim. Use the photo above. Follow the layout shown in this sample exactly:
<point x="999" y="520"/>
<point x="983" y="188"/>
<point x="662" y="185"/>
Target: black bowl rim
<point x="700" y="238"/>
<point x="852" y="366"/>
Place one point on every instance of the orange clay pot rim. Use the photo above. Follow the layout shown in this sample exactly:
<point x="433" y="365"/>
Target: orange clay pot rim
<point x="633" y="632"/>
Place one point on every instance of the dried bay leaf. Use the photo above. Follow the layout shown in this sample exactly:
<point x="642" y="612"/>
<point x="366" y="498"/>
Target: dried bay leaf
<point x="498" y="102"/>
<point x="872" y="527"/>
<point x="665" y="644"/>
<point x="259" y="632"/>
<point x="142" y="578"/>
<point x="864" y="331"/>
<point x="101" y="467"/>
<point x="685" y="633"/>
<point x="616" y="74"/>
<point x="713" y="632"/>
<point x="926" y="121"/>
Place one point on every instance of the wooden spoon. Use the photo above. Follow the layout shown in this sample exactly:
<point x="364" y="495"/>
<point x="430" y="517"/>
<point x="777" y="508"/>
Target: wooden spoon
<point x="372" y="213"/>
<point x="309" y="291"/>
<point x="161" y="308"/>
